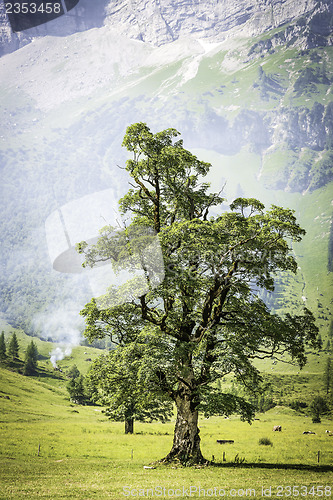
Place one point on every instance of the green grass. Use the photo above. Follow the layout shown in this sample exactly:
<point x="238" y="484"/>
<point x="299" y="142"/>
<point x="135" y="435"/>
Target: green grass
<point x="82" y="356"/>
<point x="83" y="455"/>
<point x="276" y="165"/>
<point x="315" y="212"/>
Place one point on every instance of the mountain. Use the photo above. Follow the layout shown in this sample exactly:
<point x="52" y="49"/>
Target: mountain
<point x="157" y="23"/>
<point x="248" y="85"/>
<point x="161" y="23"/>
<point x="85" y="16"/>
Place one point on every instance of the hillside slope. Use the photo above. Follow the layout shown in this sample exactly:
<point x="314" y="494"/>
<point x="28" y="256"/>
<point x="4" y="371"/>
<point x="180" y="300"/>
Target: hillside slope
<point x="257" y="104"/>
<point x="50" y="449"/>
<point x="54" y="359"/>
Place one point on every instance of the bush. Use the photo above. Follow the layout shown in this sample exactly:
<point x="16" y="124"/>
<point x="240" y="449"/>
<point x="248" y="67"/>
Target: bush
<point x="265" y="404"/>
<point x="265" y="441"/>
<point x="298" y="405"/>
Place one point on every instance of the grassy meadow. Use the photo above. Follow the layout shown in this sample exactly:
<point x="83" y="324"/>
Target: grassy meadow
<point x="51" y="448"/>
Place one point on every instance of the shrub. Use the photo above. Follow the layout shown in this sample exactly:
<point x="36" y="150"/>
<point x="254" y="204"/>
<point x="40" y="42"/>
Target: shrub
<point x="298" y="405"/>
<point x="265" y="441"/>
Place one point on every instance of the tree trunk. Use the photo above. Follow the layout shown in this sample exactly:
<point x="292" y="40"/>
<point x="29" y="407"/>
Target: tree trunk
<point x="186" y="439"/>
<point x="129" y="425"/>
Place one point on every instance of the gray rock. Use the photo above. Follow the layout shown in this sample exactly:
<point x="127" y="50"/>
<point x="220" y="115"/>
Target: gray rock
<point x="162" y="22"/>
<point x="88" y="14"/>
<point x="158" y="23"/>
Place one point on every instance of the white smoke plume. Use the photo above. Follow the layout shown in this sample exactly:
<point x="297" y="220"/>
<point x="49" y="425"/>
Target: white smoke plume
<point x="63" y="326"/>
<point x="59" y="353"/>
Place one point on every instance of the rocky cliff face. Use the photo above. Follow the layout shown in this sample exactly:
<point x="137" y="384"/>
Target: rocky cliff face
<point x="258" y="104"/>
<point x="88" y="14"/>
<point x="159" y="22"/>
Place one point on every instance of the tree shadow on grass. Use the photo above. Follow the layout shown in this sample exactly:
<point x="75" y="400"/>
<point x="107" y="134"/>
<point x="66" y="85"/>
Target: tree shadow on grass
<point x="262" y="465"/>
<point x="41" y="357"/>
<point x="45" y="374"/>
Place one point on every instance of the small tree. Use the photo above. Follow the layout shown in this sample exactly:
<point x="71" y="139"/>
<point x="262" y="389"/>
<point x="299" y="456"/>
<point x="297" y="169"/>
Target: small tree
<point x="318" y="408"/>
<point x="76" y="389"/>
<point x="122" y="381"/>
<point x="2" y="346"/>
<point x="13" y="348"/>
<point x="328" y="376"/>
<point x="320" y="341"/>
<point x="31" y="359"/>
<point x="330" y="332"/>
<point x="73" y="372"/>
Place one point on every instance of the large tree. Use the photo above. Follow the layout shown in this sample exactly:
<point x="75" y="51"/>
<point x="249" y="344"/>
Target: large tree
<point x="205" y="319"/>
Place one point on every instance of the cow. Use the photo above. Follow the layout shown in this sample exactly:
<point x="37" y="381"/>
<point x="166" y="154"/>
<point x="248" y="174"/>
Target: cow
<point x="277" y="428"/>
<point x="309" y="432"/>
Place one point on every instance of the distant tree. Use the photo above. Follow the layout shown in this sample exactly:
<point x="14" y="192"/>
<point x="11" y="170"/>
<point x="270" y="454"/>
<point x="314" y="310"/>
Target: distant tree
<point x="264" y="403"/>
<point x="76" y="386"/>
<point x="13" y="348"/>
<point x="330" y="332"/>
<point x="31" y="359"/>
<point x="320" y="341"/>
<point x="306" y="81"/>
<point x="330" y="249"/>
<point x="328" y="376"/>
<point x="121" y="380"/>
<point x="2" y="346"/>
<point x="318" y="408"/>
<point x="73" y="372"/>
<point x="76" y="390"/>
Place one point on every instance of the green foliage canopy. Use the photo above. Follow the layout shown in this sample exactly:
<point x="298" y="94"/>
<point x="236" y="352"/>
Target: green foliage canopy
<point x="76" y="389"/>
<point x="318" y="408"/>
<point x="123" y="381"/>
<point x="205" y="319"/>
